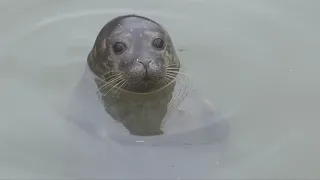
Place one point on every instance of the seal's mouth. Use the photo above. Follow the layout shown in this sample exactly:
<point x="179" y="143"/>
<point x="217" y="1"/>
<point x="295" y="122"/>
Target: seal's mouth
<point x="147" y="82"/>
<point x="146" y="78"/>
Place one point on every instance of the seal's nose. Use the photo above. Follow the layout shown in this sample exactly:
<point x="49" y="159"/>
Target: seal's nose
<point x="145" y="62"/>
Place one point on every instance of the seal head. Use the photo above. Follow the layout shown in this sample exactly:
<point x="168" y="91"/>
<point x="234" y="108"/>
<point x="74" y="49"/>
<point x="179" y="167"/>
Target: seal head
<point x="138" y="49"/>
<point x="135" y="66"/>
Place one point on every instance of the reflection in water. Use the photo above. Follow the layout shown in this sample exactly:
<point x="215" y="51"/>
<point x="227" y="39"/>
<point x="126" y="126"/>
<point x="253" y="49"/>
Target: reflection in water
<point x="256" y="61"/>
<point x="194" y="123"/>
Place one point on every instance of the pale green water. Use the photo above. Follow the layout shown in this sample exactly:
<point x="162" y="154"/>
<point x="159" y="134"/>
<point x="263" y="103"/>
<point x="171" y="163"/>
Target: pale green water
<point x="258" y="61"/>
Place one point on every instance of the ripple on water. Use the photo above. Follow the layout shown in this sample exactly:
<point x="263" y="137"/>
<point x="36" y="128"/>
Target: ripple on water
<point x="64" y="39"/>
<point x="59" y="42"/>
<point x="245" y="52"/>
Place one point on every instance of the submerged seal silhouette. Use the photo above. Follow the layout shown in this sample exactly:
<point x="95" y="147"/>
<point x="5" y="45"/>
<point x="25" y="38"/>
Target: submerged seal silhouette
<point x="135" y="66"/>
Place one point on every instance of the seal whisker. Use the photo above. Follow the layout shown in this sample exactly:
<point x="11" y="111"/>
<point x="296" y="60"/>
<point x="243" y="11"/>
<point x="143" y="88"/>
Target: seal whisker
<point x="167" y="80"/>
<point x="125" y="84"/>
<point x="169" y="65"/>
<point x="173" y="67"/>
<point x="106" y="80"/>
<point x="111" y="77"/>
<point x="178" y="72"/>
<point x="110" y="82"/>
<point x="172" y="76"/>
<point x="120" y="86"/>
<point x="116" y="85"/>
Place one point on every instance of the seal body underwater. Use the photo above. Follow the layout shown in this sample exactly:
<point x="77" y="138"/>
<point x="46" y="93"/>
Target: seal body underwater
<point x="135" y="66"/>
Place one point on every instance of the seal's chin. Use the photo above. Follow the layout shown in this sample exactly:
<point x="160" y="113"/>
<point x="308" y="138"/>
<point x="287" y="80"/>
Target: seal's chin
<point x="146" y="85"/>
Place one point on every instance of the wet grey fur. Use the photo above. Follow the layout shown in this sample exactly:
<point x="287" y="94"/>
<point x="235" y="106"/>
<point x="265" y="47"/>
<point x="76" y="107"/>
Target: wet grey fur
<point x="140" y="105"/>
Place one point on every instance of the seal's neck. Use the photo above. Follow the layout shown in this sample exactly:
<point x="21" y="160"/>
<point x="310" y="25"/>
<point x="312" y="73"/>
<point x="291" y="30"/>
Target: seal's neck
<point x="141" y="114"/>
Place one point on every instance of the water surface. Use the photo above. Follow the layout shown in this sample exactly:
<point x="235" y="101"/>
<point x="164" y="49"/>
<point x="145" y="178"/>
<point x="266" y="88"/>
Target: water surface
<point x="257" y="61"/>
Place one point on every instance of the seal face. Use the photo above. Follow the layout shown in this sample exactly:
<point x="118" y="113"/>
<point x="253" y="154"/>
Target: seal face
<point x="135" y="66"/>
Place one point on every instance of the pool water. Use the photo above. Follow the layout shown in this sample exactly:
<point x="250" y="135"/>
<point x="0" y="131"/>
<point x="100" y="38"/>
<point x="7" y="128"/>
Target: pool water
<point x="256" y="61"/>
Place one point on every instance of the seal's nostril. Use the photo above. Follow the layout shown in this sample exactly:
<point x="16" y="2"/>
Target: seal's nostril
<point x="145" y="63"/>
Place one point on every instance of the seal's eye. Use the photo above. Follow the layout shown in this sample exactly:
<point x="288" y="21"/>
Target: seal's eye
<point x="158" y="44"/>
<point x="119" y="48"/>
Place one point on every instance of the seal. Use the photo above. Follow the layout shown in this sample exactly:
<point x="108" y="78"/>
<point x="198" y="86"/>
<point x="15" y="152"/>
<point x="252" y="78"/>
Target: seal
<point x="135" y="68"/>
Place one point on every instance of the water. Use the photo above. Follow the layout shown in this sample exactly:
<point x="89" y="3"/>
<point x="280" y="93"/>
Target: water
<point x="255" y="60"/>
